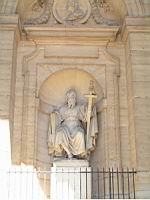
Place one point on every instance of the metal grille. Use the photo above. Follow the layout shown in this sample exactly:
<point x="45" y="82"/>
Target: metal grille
<point x="35" y="184"/>
<point x="113" y="184"/>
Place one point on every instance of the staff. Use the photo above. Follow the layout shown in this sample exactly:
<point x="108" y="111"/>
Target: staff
<point x="90" y="97"/>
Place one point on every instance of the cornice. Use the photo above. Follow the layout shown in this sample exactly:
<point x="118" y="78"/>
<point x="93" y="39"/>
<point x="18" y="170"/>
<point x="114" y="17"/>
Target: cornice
<point x="70" y="34"/>
<point x="135" y="25"/>
<point x="10" y="23"/>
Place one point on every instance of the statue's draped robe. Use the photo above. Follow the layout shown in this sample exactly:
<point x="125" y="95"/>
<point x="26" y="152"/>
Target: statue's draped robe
<point x="69" y="133"/>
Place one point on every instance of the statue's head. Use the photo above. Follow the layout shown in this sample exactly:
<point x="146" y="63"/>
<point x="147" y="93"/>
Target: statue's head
<point x="71" y="98"/>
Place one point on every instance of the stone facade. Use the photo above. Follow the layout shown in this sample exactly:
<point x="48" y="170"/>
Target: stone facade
<point x="113" y="51"/>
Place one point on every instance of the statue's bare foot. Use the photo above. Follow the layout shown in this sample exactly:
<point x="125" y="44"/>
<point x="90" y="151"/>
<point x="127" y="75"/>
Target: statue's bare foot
<point x="70" y="156"/>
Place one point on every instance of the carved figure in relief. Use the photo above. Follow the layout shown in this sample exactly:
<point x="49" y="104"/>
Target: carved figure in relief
<point x="75" y="133"/>
<point x="103" y="13"/>
<point x="45" y="16"/>
<point x="73" y="10"/>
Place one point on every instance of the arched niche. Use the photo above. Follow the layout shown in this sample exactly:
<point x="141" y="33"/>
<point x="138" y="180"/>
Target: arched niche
<point x="52" y="92"/>
<point x="54" y="88"/>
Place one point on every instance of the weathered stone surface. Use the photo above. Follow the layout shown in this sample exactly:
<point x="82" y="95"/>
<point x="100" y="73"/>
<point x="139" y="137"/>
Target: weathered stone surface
<point x="120" y="65"/>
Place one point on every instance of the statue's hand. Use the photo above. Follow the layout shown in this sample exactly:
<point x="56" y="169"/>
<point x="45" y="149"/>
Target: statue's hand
<point x="56" y="111"/>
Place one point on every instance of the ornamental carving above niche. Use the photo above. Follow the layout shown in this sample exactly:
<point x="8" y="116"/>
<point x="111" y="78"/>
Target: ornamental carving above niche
<point x="72" y="12"/>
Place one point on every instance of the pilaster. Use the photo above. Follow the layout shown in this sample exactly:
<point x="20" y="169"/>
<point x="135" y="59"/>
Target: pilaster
<point x="9" y="37"/>
<point x="136" y="37"/>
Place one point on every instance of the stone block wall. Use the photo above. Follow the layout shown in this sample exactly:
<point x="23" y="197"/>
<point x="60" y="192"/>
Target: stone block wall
<point x="137" y="47"/>
<point x="6" y="59"/>
<point x="132" y="116"/>
<point x="8" y="6"/>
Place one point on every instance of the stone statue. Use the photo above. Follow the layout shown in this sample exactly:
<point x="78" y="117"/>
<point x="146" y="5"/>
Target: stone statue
<point x="73" y="128"/>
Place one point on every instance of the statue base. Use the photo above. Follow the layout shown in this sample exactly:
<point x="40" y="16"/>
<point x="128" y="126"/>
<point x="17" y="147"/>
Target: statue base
<point x="59" y="162"/>
<point x="70" y="179"/>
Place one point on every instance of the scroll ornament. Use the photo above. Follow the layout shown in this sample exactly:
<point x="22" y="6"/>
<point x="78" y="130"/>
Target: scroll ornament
<point x="45" y="16"/>
<point x="100" y="12"/>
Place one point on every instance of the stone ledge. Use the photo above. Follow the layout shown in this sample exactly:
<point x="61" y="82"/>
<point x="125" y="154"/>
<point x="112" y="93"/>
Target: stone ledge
<point x="10" y="23"/>
<point x="135" y="25"/>
<point x="9" y="19"/>
<point x="104" y="33"/>
<point x="136" y="21"/>
<point x="70" y="163"/>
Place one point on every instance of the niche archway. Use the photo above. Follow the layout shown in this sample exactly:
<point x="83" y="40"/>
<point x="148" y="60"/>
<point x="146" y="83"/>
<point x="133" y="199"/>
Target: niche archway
<point x="52" y="92"/>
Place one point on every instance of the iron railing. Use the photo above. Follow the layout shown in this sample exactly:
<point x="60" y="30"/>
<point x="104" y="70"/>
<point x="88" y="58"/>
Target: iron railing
<point x="113" y="184"/>
<point x="84" y="183"/>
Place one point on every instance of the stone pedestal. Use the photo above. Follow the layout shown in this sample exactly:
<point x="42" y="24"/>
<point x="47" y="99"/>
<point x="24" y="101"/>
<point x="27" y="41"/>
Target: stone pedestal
<point x="70" y="179"/>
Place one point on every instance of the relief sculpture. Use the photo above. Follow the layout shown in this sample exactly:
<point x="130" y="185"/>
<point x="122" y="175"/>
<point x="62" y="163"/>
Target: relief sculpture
<point x="74" y="12"/>
<point x="46" y="14"/>
<point x="103" y="13"/>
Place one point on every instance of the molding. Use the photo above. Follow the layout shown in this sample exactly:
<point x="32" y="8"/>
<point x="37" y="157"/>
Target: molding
<point x="11" y="23"/>
<point x="65" y="34"/>
<point x="135" y="25"/>
<point x="9" y="19"/>
<point x="29" y="57"/>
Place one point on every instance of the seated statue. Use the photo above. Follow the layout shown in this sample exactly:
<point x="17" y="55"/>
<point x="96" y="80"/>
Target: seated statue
<point x="67" y="131"/>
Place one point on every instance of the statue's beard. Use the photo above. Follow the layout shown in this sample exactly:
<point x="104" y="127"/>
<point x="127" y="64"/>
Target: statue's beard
<point x="71" y="105"/>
